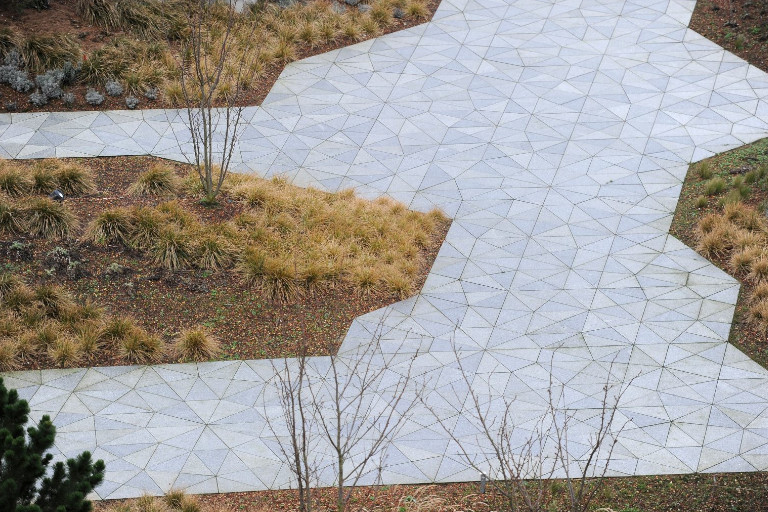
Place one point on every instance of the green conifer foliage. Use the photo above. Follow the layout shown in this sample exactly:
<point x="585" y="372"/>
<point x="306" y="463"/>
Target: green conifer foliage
<point x="24" y="486"/>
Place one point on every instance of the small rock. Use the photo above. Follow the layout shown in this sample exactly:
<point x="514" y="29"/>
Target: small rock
<point x="740" y="170"/>
<point x="11" y="106"/>
<point x="353" y="3"/>
<point x="339" y="8"/>
<point x="363" y="8"/>
<point x="398" y="13"/>
<point x="115" y="269"/>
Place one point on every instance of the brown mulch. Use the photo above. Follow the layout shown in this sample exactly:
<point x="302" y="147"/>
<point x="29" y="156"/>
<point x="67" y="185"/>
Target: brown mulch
<point x="739" y="26"/>
<point x="244" y="318"/>
<point x="734" y="492"/>
<point x="61" y="18"/>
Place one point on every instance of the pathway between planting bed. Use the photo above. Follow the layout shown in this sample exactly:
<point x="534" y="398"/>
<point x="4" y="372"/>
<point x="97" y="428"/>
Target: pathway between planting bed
<point x="557" y="135"/>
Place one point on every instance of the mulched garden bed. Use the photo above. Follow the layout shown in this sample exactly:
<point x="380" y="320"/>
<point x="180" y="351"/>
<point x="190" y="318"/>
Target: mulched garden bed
<point x="739" y="26"/>
<point x="248" y="322"/>
<point x="734" y="492"/>
<point x="62" y="18"/>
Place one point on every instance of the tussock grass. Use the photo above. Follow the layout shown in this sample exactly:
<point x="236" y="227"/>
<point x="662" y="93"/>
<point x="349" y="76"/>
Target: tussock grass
<point x="196" y="345"/>
<point x="758" y="315"/>
<point x="742" y="261"/>
<point x="9" y="355"/>
<point x="147" y="223"/>
<point x="13" y="180"/>
<point x="172" y="249"/>
<point x="74" y="179"/>
<point x="11" y="217"/>
<point x="714" y="186"/>
<point x="113" y="226"/>
<point x="158" y="180"/>
<point x="173" y="501"/>
<point x="18" y="298"/>
<point x="47" y="322"/>
<point x="118" y="327"/>
<point x="88" y="336"/>
<point x="65" y="351"/>
<point x="44" y="176"/>
<point x="138" y="347"/>
<point x="42" y="52"/>
<point x="48" y="219"/>
<point x="54" y="300"/>
<point x="9" y="282"/>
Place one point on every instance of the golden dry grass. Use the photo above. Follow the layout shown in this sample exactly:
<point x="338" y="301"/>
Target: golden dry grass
<point x="196" y="345"/>
<point x="262" y="37"/>
<point x="287" y="239"/>
<point x="738" y="235"/>
<point x="47" y="321"/>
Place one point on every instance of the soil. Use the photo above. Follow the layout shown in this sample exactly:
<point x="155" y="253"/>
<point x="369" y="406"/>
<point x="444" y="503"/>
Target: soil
<point x="61" y="18"/>
<point x="734" y="492"/>
<point x="244" y="318"/>
<point x="739" y="26"/>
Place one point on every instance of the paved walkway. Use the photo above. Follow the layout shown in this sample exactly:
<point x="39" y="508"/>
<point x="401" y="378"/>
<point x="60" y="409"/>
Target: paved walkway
<point x="557" y="134"/>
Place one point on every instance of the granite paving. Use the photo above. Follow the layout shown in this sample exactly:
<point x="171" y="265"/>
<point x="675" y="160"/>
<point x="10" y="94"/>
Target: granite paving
<point x="556" y="134"/>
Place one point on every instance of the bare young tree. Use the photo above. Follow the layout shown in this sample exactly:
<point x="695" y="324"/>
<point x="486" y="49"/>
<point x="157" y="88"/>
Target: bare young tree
<point x="521" y="462"/>
<point x="216" y="58"/>
<point x="347" y="406"/>
<point x="299" y="447"/>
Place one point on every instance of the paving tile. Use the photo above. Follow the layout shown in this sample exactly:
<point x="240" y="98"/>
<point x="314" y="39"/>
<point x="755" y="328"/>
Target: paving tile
<point x="557" y="135"/>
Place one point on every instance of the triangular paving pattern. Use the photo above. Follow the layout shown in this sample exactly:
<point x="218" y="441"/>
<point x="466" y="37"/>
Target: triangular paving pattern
<point x="557" y="135"/>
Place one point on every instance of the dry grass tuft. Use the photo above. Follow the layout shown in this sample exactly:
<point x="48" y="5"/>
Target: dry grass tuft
<point x="715" y="243"/>
<point x="65" y="351"/>
<point x="49" y="219"/>
<point x="42" y="52"/>
<point x="118" y="327"/>
<point x="54" y="300"/>
<point x="113" y="226"/>
<point x="74" y="179"/>
<point x="758" y="315"/>
<point x="158" y="180"/>
<point x="9" y="355"/>
<point x="172" y="249"/>
<point x="11" y="217"/>
<point x="196" y="345"/>
<point x="758" y="271"/>
<point x="13" y="180"/>
<point x="742" y="261"/>
<point x="138" y="347"/>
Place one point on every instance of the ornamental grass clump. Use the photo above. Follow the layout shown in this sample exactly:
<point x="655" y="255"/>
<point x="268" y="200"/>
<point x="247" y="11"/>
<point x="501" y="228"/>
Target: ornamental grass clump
<point x="65" y="352"/>
<point x="172" y="249"/>
<point x="11" y="217"/>
<point x="114" y="226"/>
<point x="138" y="347"/>
<point x="158" y="180"/>
<point x="196" y="345"/>
<point x="46" y="218"/>
<point x="74" y="179"/>
<point x="9" y="355"/>
<point x="13" y="180"/>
